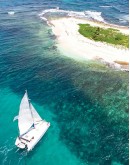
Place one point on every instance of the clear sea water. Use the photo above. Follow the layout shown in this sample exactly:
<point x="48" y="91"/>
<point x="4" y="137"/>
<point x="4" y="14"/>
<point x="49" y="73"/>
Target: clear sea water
<point x="86" y="103"/>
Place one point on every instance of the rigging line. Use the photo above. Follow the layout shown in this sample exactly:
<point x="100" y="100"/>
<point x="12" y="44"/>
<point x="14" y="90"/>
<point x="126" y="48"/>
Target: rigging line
<point x="30" y="107"/>
<point x="32" y="127"/>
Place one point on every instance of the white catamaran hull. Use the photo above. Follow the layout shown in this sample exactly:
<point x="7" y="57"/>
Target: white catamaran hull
<point x="30" y="139"/>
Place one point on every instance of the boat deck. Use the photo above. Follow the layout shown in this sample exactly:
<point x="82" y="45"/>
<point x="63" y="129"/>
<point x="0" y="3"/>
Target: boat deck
<point x="30" y="139"/>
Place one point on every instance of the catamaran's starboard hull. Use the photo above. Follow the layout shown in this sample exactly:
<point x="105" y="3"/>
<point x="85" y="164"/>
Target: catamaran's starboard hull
<point x="30" y="139"/>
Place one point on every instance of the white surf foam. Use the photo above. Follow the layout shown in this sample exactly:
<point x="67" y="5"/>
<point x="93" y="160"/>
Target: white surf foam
<point x="43" y="18"/>
<point x="11" y="12"/>
<point x="124" y="19"/>
<point x="107" y="6"/>
<point x="94" y="15"/>
<point x="76" y="14"/>
<point x="56" y="10"/>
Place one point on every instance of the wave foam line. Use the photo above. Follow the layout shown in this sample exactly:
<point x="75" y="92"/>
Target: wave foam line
<point x="106" y="6"/>
<point x="92" y="15"/>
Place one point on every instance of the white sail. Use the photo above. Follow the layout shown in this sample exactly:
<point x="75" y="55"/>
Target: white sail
<point x="35" y="115"/>
<point x="25" y="119"/>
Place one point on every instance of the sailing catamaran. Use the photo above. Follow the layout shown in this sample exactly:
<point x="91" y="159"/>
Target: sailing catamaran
<point x="31" y="126"/>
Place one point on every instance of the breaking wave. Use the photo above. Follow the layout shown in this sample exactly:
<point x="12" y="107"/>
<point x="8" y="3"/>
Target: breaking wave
<point x="92" y="15"/>
<point x="124" y="19"/>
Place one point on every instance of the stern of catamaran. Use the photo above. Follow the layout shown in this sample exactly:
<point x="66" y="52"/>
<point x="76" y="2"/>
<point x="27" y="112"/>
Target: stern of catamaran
<point x="19" y="144"/>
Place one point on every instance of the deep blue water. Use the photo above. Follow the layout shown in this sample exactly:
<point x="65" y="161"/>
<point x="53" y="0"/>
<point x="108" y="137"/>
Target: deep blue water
<point x="87" y="104"/>
<point x="113" y="11"/>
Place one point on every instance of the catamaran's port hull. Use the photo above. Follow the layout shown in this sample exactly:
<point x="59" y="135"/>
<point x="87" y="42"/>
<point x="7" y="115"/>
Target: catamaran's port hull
<point x="30" y="139"/>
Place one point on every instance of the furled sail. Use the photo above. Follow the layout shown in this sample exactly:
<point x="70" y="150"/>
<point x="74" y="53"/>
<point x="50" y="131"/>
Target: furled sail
<point x="25" y="119"/>
<point x="35" y="115"/>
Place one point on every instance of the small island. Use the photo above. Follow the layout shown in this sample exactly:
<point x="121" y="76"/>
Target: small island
<point x="109" y="35"/>
<point x="85" y="40"/>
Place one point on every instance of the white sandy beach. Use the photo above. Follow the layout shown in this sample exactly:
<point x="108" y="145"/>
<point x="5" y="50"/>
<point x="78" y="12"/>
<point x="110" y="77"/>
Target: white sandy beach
<point x="76" y="46"/>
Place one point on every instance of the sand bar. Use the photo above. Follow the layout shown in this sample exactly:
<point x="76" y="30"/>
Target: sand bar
<point x="76" y="46"/>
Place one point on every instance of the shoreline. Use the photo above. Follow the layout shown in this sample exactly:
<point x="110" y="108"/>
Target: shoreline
<point x="72" y="44"/>
<point x="123" y="29"/>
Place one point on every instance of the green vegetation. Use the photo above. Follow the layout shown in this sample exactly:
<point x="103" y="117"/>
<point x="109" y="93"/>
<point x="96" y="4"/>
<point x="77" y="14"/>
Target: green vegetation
<point x="109" y="35"/>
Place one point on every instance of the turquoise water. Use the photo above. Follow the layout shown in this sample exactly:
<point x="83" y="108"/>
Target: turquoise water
<point x="86" y="104"/>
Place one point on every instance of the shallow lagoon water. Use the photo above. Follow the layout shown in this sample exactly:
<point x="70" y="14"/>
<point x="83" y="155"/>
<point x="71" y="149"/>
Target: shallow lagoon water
<point x="86" y="103"/>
